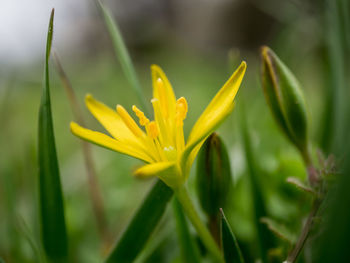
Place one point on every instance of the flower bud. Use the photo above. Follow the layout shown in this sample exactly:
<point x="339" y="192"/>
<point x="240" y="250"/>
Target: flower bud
<point x="213" y="175"/>
<point x="285" y="99"/>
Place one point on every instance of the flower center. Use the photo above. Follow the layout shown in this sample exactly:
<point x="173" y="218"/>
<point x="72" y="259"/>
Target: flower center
<point x="164" y="137"/>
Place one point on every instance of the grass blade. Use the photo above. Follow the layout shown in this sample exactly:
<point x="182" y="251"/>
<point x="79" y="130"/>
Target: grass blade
<point x="122" y="54"/>
<point x="332" y="242"/>
<point x="142" y="224"/>
<point x="334" y="122"/>
<point x="264" y="236"/>
<point x="189" y="250"/>
<point x="232" y="252"/>
<point x="53" y="227"/>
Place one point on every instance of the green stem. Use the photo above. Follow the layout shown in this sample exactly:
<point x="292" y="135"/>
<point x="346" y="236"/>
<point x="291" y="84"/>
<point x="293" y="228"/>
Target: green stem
<point x="188" y="207"/>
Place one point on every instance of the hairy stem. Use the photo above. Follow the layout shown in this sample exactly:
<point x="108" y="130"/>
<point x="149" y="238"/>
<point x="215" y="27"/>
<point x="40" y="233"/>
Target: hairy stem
<point x="293" y="255"/>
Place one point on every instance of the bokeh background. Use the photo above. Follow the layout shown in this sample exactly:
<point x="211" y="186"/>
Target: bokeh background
<point x="198" y="44"/>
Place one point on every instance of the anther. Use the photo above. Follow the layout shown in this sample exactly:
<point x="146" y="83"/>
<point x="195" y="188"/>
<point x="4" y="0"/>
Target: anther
<point x="181" y="110"/>
<point x="153" y="130"/>
<point x="129" y="122"/>
<point x="142" y="118"/>
<point x="162" y="96"/>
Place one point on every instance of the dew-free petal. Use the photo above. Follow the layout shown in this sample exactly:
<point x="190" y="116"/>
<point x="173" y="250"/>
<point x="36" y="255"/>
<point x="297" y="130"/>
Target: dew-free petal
<point x="108" y="142"/>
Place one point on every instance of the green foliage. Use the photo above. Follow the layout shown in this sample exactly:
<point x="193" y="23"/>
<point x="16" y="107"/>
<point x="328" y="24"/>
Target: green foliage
<point x="264" y="236"/>
<point x="53" y="227"/>
<point x="232" y="252"/>
<point x="214" y="180"/>
<point x="142" y="224"/>
<point x="122" y="54"/>
<point x="337" y="43"/>
<point x="189" y="249"/>
<point x="332" y="245"/>
<point x="270" y="194"/>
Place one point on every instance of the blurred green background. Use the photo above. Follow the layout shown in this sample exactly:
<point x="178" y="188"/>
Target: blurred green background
<point x="191" y="41"/>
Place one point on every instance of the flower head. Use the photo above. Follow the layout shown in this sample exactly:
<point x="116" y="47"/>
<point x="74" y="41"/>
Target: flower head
<point x="160" y="142"/>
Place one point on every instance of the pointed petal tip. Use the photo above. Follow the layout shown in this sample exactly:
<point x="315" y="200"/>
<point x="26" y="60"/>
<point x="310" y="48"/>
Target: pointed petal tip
<point x="155" y="67"/>
<point x="143" y="172"/>
<point x="243" y="66"/>
<point x="266" y="53"/>
<point x="73" y="124"/>
<point x="264" y="49"/>
<point x="74" y="127"/>
<point x="88" y="97"/>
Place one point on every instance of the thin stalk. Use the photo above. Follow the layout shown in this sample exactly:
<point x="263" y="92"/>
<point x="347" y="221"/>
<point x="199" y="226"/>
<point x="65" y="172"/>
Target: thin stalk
<point x="183" y="197"/>
<point x="294" y="253"/>
<point x="94" y="189"/>
<point x="314" y="181"/>
<point x="122" y="54"/>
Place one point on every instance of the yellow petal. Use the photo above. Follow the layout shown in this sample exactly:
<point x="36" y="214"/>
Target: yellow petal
<point x="186" y="163"/>
<point x="217" y="110"/>
<point x="168" y="172"/>
<point x="110" y="120"/>
<point x="163" y="91"/>
<point x="108" y="142"/>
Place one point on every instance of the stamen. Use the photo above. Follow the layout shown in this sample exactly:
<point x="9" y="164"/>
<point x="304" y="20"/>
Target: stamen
<point x="162" y="97"/>
<point x="143" y="120"/>
<point x="181" y="110"/>
<point x="129" y="122"/>
<point x="164" y="131"/>
<point x="153" y="130"/>
<point x="153" y="133"/>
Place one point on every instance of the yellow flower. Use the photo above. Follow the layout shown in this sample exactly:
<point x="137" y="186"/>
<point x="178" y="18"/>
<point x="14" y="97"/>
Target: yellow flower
<point x="160" y="143"/>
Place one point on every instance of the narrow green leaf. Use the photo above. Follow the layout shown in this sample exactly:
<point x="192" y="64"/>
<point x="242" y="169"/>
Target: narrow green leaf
<point x="232" y="252"/>
<point x="53" y="227"/>
<point x="337" y="37"/>
<point x="300" y="185"/>
<point x="189" y="250"/>
<point x="142" y="224"/>
<point x="122" y="54"/>
<point x="265" y="237"/>
<point x="331" y="241"/>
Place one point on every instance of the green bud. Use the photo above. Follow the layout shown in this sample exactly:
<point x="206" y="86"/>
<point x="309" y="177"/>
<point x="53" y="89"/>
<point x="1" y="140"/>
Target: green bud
<point x="213" y="175"/>
<point x="286" y="100"/>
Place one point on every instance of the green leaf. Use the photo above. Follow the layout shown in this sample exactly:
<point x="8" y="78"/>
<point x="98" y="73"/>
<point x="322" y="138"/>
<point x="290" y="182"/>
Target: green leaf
<point x="189" y="250"/>
<point x="265" y="237"/>
<point x="332" y="235"/>
<point x="142" y="224"/>
<point x="232" y="252"/>
<point x="53" y="227"/>
<point x="123" y="55"/>
<point x="334" y="122"/>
